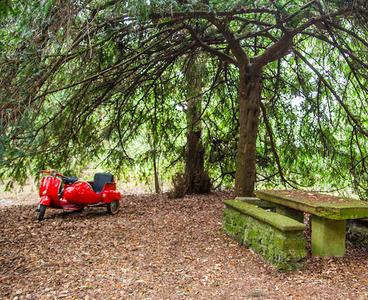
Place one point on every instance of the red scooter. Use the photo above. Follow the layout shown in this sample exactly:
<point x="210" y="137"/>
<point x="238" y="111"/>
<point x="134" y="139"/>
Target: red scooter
<point x="68" y="193"/>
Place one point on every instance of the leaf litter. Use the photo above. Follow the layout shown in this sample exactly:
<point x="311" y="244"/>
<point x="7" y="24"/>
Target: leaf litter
<point x="155" y="248"/>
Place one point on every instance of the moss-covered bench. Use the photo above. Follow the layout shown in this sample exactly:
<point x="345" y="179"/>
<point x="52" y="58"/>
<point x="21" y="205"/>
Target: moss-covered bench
<point x="279" y="239"/>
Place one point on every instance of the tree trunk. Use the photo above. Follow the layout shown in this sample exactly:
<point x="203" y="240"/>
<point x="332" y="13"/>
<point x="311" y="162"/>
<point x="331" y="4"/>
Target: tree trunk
<point x="156" y="178"/>
<point x="196" y="179"/>
<point x="249" y="106"/>
<point x="154" y="142"/>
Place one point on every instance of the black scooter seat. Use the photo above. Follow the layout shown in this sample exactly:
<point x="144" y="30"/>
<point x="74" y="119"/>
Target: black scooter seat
<point x="70" y="180"/>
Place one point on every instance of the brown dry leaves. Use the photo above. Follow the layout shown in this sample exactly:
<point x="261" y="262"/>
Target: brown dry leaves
<point x="155" y="248"/>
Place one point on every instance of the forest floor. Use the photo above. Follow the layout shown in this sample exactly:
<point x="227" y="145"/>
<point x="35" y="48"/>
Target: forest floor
<point x="154" y="248"/>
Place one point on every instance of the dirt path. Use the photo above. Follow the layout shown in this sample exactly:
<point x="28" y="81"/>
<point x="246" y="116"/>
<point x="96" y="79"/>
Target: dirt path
<point x="155" y="248"/>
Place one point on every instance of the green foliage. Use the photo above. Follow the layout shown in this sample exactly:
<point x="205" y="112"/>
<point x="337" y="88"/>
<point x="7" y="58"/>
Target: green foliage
<point x="102" y="84"/>
<point x="5" y="8"/>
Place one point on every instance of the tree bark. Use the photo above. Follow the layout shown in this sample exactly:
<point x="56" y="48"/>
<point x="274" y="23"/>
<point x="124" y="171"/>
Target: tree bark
<point x="196" y="178"/>
<point x="249" y="111"/>
<point x="154" y="142"/>
<point x="156" y="177"/>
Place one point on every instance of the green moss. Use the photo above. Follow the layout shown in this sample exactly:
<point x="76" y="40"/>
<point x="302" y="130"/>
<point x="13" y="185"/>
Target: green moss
<point x="257" y="202"/>
<point x="284" y="249"/>
<point x="278" y="221"/>
<point x="328" y="237"/>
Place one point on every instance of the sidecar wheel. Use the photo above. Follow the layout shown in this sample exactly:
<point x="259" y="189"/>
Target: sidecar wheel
<point x="113" y="207"/>
<point x="41" y="213"/>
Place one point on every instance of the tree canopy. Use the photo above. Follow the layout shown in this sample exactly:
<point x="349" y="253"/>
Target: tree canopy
<point x="104" y="82"/>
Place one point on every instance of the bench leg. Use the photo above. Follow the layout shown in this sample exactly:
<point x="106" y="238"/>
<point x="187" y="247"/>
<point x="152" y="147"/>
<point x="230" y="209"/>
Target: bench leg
<point x="291" y="213"/>
<point x="328" y="237"/>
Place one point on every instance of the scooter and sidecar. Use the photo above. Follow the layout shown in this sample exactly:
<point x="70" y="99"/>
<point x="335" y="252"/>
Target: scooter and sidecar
<point x="69" y="193"/>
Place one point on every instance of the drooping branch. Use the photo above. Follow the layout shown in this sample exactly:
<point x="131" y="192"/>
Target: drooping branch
<point x="274" y="147"/>
<point x="283" y="45"/>
<point x="205" y="14"/>
<point x="276" y="51"/>
<point x="353" y="119"/>
<point x="233" y="43"/>
<point x="221" y="55"/>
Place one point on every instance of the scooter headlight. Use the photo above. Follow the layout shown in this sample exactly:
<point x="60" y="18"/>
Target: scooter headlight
<point x="44" y="192"/>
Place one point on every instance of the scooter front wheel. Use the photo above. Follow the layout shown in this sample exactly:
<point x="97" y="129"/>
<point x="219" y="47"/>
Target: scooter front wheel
<point x="113" y="207"/>
<point x="41" y="212"/>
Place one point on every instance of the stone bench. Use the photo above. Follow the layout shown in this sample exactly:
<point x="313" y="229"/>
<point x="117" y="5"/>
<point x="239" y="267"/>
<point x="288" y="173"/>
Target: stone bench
<point x="277" y="238"/>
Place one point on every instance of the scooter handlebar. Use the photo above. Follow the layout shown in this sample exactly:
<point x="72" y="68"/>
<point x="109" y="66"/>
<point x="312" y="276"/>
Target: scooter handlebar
<point x="52" y="173"/>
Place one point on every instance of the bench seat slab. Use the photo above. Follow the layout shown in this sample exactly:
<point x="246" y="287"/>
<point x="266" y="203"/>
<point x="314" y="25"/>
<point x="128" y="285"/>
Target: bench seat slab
<point x="257" y="202"/>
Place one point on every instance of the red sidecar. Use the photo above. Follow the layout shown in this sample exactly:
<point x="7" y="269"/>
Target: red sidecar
<point x="59" y="191"/>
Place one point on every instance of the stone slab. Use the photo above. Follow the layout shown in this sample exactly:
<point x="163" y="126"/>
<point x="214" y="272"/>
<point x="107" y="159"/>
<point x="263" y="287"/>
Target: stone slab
<point x="276" y="220"/>
<point x="331" y="207"/>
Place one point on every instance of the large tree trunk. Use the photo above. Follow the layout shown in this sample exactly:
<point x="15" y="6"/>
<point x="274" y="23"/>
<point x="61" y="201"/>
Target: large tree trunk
<point x="249" y="106"/>
<point x="196" y="179"/>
